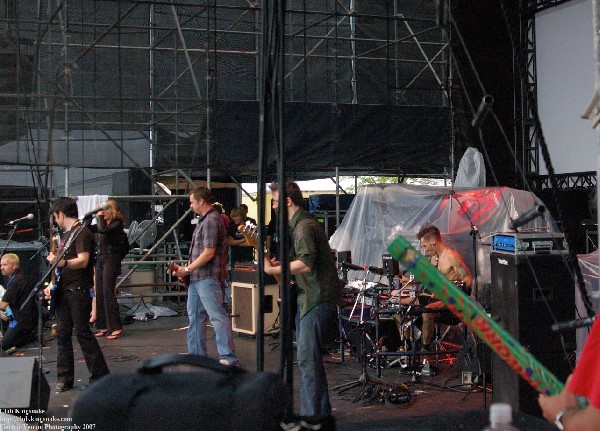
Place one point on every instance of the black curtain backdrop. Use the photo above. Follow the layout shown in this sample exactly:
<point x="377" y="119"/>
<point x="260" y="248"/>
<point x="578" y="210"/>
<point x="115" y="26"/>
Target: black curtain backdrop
<point x="319" y="137"/>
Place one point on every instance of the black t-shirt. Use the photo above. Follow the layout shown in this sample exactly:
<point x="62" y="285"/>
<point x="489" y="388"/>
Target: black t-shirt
<point x="239" y="253"/>
<point x="75" y="278"/>
<point x="17" y="291"/>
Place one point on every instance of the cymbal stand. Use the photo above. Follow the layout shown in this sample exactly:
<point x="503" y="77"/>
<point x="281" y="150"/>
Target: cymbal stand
<point x="405" y="316"/>
<point x="363" y="379"/>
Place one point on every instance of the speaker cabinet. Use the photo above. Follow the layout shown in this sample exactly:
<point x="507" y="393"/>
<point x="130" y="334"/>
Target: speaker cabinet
<point x="244" y="307"/>
<point x="528" y="293"/>
<point x="32" y="262"/>
<point x="19" y="386"/>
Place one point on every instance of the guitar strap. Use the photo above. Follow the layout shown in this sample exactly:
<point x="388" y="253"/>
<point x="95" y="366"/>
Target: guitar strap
<point x="72" y="234"/>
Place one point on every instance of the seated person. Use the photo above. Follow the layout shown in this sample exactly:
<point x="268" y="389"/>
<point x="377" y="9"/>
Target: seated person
<point x="18" y="326"/>
<point x="563" y="409"/>
<point x="450" y="263"/>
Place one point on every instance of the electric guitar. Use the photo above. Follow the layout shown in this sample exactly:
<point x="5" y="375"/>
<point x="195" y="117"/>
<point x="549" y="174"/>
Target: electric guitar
<point x="54" y="277"/>
<point x="250" y="232"/>
<point x="184" y="280"/>
<point x="475" y="317"/>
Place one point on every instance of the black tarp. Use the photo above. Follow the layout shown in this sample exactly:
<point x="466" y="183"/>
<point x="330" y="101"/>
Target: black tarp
<point x="319" y="137"/>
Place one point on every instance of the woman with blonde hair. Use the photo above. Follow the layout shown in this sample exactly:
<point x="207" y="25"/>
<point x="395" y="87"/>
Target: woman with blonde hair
<point x="111" y="247"/>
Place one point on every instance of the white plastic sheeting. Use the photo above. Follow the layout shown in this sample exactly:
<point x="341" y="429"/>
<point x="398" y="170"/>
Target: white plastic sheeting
<point x="381" y="212"/>
<point x="471" y="169"/>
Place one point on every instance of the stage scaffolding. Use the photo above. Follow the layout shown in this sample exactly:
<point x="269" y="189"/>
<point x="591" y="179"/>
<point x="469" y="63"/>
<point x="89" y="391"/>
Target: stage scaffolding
<point x="97" y="88"/>
<point x="95" y="82"/>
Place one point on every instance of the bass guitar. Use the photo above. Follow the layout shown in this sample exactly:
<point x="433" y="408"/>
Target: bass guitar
<point x="54" y="277"/>
<point x="250" y="232"/>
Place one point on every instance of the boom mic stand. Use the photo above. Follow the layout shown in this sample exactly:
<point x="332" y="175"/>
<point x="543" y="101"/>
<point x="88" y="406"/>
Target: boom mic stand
<point x="9" y="238"/>
<point x="475" y="237"/>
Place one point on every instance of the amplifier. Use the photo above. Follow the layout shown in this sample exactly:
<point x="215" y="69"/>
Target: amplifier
<point x="248" y="273"/>
<point x="529" y="243"/>
<point x="244" y="307"/>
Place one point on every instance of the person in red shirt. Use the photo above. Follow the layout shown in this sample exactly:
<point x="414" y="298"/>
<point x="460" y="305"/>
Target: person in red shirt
<point x="563" y="409"/>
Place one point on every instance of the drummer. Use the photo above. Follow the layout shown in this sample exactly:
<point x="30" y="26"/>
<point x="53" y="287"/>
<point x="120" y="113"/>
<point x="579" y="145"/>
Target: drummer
<point x="450" y="263"/>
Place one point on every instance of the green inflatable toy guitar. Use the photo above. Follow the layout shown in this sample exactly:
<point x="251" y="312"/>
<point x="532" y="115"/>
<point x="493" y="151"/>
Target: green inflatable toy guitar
<point x="496" y="337"/>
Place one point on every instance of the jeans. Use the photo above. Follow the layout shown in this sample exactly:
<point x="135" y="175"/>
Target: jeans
<point x="314" y="331"/>
<point x="205" y="300"/>
<point x="226" y="286"/>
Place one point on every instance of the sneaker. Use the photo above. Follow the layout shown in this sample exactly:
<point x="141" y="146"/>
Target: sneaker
<point x="229" y="363"/>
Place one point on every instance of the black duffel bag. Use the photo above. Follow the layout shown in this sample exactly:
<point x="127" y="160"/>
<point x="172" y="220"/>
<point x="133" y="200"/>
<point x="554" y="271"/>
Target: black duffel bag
<point x="204" y="396"/>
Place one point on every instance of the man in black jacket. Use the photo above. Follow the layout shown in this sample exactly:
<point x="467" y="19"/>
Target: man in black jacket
<point x="18" y="326"/>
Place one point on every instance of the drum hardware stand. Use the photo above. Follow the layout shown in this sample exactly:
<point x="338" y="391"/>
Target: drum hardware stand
<point x="373" y="387"/>
<point x="413" y="365"/>
<point x="364" y="379"/>
<point x="403" y="321"/>
<point x="408" y="356"/>
<point x="359" y="298"/>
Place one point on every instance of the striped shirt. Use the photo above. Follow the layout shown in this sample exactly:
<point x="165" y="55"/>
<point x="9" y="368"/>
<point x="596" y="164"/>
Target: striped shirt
<point x="210" y="232"/>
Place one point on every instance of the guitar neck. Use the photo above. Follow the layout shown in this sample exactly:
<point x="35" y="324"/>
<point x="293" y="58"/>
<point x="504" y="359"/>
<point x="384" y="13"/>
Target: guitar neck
<point x="53" y="247"/>
<point x="250" y="239"/>
<point x="250" y="233"/>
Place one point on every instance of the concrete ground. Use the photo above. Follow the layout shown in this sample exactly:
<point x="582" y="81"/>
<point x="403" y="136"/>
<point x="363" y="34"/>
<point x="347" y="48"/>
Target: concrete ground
<point x="393" y="401"/>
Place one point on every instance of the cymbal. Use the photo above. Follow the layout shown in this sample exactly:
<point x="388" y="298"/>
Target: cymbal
<point x="351" y="266"/>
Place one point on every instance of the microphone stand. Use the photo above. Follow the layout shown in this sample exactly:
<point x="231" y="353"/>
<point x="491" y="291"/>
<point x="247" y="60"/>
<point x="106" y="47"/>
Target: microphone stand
<point x="475" y="236"/>
<point x="39" y="291"/>
<point x="9" y="238"/>
<point x="42" y="247"/>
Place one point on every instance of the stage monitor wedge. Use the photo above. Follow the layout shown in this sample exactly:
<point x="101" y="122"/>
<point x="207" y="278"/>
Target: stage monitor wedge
<point x="19" y="385"/>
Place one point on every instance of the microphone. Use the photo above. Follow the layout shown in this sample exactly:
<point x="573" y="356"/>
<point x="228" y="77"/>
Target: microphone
<point x="102" y="207"/>
<point x="571" y="324"/>
<point x="375" y="270"/>
<point x="351" y="266"/>
<point x="484" y="107"/>
<point x="27" y="217"/>
<point x="532" y="214"/>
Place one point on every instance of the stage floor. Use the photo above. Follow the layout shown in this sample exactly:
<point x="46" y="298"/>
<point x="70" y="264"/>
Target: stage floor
<point x="434" y="399"/>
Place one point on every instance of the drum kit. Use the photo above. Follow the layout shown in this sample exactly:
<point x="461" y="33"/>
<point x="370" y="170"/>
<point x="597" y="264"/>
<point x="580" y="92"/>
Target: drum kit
<point x="370" y="305"/>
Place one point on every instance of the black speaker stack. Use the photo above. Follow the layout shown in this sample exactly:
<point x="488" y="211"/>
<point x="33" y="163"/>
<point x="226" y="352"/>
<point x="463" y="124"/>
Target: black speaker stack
<point x="530" y="292"/>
